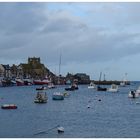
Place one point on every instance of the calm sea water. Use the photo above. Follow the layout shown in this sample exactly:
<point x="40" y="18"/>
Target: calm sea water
<point x="114" y="116"/>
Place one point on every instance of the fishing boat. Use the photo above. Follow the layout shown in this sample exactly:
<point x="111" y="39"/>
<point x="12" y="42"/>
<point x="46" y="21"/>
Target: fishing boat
<point x="41" y="82"/>
<point x="72" y="87"/>
<point x="9" y="106"/>
<point x="41" y="97"/>
<point x="99" y="88"/>
<point x="113" y="88"/>
<point x="28" y="82"/>
<point x="58" y="96"/>
<point x="13" y="82"/>
<point x="92" y="85"/>
<point x="133" y="94"/>
<point x="19" y="82"/>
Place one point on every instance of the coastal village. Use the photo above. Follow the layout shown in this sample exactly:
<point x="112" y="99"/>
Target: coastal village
<point x="34" y="69"/>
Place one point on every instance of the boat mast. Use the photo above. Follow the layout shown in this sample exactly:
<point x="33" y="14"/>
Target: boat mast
<point x="59" y="69"/>
<point x="104" y="77"/>
<point x="125" y="80"/>
<point x="60" y="64"/>
<point x="100" y="77"/>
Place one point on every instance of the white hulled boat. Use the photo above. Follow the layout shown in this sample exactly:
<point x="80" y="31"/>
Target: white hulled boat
<point x="138" y="90"/>
<point x="124" y="81"/>
<point x="113" y="88"/>
<point x="133" y="94"/>
<point x="92" y="85"/>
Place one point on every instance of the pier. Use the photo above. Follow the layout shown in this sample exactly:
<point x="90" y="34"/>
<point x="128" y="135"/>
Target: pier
<point x="109" y="82"/>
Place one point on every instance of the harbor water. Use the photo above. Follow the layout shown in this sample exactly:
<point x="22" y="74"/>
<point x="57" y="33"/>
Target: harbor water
<point x="110" y="115"/>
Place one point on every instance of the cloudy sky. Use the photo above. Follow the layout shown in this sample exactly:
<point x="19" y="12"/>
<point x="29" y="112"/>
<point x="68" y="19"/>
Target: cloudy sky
<point x="91" y="37"/>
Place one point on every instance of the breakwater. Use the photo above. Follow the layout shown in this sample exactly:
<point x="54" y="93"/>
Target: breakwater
<point x="109" y="82"/>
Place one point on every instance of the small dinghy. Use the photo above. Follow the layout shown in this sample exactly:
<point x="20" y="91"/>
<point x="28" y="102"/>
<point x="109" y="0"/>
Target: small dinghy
<point x="60" y="129"/>
<point x="9" y="106"/>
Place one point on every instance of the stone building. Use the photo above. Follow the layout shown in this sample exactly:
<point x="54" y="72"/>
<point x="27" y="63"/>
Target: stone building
<point x="35" y="69"/>
<point x="82" y="78"/>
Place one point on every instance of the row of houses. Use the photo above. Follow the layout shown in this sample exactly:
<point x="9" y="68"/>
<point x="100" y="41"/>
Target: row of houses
<point x="33" y="69"/>
<point x="5" y="71"/>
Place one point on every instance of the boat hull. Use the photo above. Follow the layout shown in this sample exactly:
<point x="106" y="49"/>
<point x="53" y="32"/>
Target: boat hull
<point x="9" y="107"/>
<point x="40" y="101"/>
<point x="91" y="87"/>
<point x="101" y="89"/>
<point x="39" y="82"/>
<point x="112" y="90"/>
<point x="69" y="89"/>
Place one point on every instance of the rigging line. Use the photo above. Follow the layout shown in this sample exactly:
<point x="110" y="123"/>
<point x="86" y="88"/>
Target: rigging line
<point x="42" y="132"/>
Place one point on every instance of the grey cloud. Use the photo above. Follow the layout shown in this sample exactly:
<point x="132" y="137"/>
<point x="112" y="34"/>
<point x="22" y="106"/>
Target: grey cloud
<point x="20" y="17"/>
<point x="60" y="31"/>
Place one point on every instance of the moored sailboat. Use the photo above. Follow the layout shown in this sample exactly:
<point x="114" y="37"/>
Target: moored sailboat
<point x="124" y="81"/>
<point x="99" y="88"/>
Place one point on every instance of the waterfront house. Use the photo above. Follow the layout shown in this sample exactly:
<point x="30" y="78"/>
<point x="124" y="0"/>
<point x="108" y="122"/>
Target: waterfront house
<point x="2" y="70"/>
<point x="7" y="71"/>
<point x="17" y="71"/>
